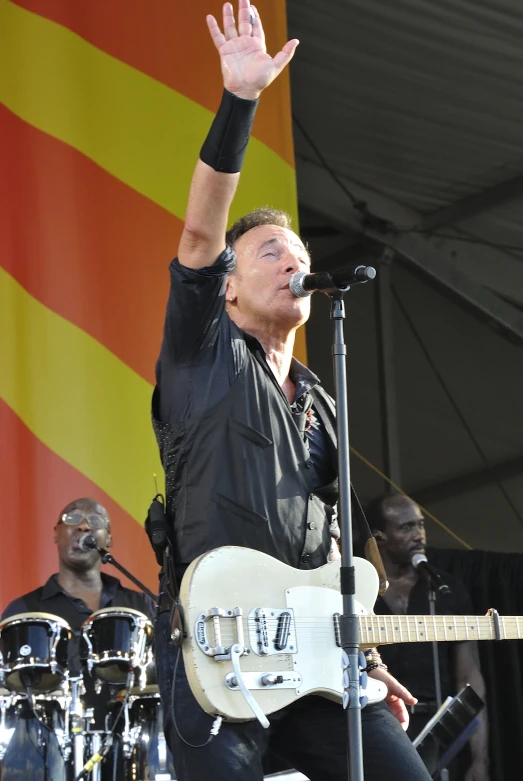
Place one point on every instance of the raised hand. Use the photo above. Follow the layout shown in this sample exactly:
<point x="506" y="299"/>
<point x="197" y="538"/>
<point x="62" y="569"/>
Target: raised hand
<point x="246" y="67"/>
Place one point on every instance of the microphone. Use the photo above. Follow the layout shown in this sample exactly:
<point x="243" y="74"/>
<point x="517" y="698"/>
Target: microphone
<point x="87" y="542"/>
<point x="420" y="562"/>
<point x="302" y="284"/>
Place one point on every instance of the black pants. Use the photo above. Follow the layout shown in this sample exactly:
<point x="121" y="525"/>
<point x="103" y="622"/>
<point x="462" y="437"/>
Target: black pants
<point x="311" y="735"/>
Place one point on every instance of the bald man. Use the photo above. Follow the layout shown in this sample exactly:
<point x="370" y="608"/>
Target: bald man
<point x="79" y="588"/>
<point x="398" y="525"/>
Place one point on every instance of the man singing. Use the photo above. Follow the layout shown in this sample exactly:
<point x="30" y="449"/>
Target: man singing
<point x="239" y="423"/>
<point x="398" y="525"/>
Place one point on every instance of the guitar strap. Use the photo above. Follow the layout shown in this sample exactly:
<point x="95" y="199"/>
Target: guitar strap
<point x="326" y="411"/>
<point x="157" y="528"/>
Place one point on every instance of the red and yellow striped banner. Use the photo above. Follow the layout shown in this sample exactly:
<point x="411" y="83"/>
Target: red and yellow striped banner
<point x="104" y="106"/>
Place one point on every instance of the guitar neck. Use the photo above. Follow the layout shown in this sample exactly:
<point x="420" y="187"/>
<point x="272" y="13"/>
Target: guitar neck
<point x="379" y="630"/>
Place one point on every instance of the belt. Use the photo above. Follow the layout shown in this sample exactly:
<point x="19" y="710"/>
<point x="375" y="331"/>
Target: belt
<point x="423" y="707"/>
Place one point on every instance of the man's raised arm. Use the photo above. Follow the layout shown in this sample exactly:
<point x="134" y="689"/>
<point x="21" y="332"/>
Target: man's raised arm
<point x="247" y="69"/>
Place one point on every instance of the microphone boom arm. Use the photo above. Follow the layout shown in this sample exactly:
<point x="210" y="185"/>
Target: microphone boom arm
<point x="107" y="558"/>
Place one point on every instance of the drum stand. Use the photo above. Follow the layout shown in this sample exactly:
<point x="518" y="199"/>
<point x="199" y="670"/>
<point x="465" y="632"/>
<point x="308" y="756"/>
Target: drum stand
<point x="130" y="735"/>
<point x="76" y="717"/>
<point x="164" y="773"/>
<point x="47" y="722"/>
<point x="96" y="745"/>
<point x="6" y="733"/>
<point x="44" y="723"/>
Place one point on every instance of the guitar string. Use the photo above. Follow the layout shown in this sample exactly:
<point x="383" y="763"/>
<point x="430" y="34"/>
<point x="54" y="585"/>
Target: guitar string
<point x="440" y="619"/>
<point x="412" y="619"/>
<point x="446" y="627"/>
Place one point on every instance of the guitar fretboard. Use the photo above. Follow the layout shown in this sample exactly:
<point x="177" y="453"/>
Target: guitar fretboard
<point x="376" y="630"/>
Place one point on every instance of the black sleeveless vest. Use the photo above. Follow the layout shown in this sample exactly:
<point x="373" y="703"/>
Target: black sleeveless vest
<point x="240" y="475"/>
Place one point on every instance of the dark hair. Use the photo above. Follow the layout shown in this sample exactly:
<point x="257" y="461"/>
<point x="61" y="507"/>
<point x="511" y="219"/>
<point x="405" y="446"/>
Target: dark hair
<point x="262" y="216"/>
<point x="376" y="511"/>
<point x="86" y="505"/>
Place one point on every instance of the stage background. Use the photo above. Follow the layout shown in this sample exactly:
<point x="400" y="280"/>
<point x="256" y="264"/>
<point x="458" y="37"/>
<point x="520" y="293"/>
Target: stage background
<point x="104" y="108"/>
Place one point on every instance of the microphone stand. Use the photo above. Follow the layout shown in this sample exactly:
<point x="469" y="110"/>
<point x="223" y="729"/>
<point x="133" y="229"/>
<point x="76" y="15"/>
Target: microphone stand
<point x="349" y="621"/>
<point x="107" y="558"/>
<point x="432" y="585"/>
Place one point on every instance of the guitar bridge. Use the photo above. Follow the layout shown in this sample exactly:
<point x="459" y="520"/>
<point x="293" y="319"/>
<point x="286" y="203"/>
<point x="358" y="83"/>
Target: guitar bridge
<point x="272" y="631"/>
<point x="216" y="648"/>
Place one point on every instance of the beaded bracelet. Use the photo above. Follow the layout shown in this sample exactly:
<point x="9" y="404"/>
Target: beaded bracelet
<point x="375" y="666"/>
<point x="373" y="659"/>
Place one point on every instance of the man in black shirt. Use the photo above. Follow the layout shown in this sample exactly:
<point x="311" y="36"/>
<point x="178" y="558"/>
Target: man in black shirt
<point x="80" y="587"/>
<point x="74" y="593"/>
<point x="398" y="526"/>
<point x="243" y="431"/>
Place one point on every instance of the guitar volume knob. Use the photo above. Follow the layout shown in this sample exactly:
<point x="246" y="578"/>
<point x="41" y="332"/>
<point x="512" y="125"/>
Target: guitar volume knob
<point x="270" y="679"/>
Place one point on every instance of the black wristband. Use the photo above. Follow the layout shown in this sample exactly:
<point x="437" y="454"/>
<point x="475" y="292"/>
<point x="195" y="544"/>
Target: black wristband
<point x="226" y="143"/>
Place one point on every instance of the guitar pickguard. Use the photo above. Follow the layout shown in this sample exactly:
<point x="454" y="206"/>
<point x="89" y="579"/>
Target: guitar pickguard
<point x="318" y="656"/>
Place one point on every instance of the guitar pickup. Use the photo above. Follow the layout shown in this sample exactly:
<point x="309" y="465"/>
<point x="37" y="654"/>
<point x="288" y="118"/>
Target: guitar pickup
<point x="272" y="631"/>
<point x="283" y="630"/>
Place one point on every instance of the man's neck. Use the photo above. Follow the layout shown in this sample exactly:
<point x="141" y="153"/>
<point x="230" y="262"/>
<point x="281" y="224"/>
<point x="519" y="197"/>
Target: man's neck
<point x="74" y="582"/>
<point x="279" y="357"/>
<point x="397" y="571"/>
<point x="277" y="342"/>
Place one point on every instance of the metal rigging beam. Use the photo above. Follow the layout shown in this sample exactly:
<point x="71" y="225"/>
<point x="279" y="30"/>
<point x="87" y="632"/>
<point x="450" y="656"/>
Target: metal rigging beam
<point x="437" y="258"/>
<point x="473" y="205"/>
<point x="468" y="482"/>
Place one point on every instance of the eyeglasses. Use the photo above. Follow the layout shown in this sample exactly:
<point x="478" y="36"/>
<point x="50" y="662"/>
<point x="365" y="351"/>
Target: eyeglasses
<point x="94" y="521"/>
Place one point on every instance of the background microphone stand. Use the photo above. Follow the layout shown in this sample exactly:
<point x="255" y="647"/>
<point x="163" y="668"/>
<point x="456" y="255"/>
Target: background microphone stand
<point x="432" y="586"/>
<point x="349" y="621"/>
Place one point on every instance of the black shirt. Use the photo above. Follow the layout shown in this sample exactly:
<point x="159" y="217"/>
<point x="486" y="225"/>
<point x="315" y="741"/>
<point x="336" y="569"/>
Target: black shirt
<point x="243" y="466"/>
<point x="51" y="598"/>
<point x="203" y="352"/>
<point x="412" y="663"/>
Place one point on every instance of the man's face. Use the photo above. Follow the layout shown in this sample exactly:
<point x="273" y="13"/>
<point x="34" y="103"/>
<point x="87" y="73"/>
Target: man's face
<point x="67" y="539"/>
<point x="404" y="532"/>
<point x="266" y="258"/>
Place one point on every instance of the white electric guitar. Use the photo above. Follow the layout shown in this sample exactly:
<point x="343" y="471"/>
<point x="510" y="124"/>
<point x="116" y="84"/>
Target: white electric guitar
<point x="261" y="634"/>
